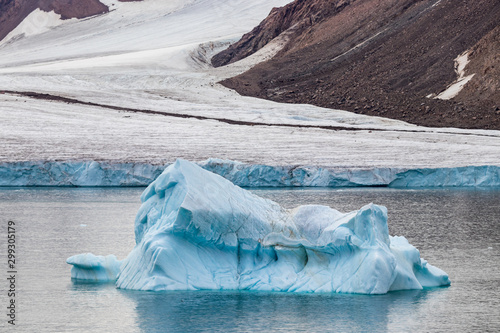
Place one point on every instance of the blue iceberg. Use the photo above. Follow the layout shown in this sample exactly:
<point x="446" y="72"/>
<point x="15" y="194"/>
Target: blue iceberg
<point x="197" y="230"/>
<point x="91" y="268"/>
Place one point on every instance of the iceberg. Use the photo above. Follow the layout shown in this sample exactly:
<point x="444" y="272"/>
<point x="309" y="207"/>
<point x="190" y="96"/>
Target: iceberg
<point x="91" y="268"/>
<point x="197" y="230"/>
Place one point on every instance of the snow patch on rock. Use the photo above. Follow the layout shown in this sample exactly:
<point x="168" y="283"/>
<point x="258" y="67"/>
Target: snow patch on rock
<point x="455" y="88"/>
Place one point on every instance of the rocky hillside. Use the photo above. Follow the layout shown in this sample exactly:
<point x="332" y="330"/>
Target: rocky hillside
<point x="485" y="65"/>
<point x="385" y="58"/>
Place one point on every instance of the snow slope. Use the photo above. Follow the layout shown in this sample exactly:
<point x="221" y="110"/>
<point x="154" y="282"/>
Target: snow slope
<point x="153" y="55"/>
<point x="37" y="22"/>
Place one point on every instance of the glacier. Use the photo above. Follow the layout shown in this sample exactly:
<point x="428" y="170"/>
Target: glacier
<point x="93" y="173"/>
<point x="197" y="230"/>
<point x="131" y="83"/>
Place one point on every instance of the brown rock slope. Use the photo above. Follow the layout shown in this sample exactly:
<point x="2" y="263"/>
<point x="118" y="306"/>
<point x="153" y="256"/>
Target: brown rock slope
<point x="484" y="88"/>
<point x="13" y="12"/>
<point x="379" y="57"/>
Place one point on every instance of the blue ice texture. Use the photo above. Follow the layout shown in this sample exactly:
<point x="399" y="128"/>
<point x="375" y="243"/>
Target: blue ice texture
<point x="196" y="230"/>
<point x="92" y="173"/>
<point x="91" y="268"/>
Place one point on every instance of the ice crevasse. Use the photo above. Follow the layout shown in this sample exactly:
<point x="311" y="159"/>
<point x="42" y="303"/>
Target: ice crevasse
<point x="196" y="230"/>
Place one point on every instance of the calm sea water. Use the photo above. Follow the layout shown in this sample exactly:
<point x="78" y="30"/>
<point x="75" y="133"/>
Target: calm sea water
<point x="457" y="230"/>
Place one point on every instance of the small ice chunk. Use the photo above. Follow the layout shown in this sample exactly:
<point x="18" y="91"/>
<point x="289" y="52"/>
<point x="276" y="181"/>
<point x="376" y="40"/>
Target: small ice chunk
<point x="92" y="268"/>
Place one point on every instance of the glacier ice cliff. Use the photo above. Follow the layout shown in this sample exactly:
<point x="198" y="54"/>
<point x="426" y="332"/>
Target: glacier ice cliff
<point x="247" y="175"/>
<point x="197" y="230"/>
<point x="51" y="173"/>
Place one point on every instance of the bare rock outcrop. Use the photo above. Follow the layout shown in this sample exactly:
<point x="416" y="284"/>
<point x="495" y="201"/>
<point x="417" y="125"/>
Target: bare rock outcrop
<point x="74" y="8"/>
<point x="484" y="63"/>
<point x="297" y="16"/>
